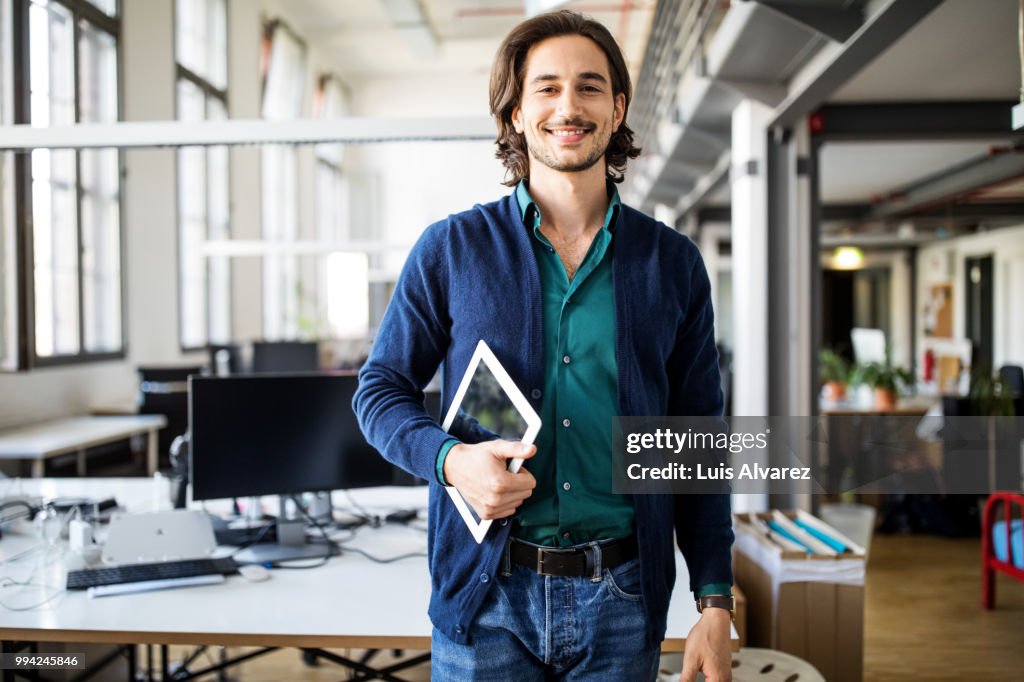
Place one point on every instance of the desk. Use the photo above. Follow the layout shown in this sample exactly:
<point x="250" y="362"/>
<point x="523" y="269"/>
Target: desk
<point x="350" y="602"/>
<point x="38" y="442"/>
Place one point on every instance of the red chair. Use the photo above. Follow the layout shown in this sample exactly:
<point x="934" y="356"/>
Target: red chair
<point x="990" y="563"/>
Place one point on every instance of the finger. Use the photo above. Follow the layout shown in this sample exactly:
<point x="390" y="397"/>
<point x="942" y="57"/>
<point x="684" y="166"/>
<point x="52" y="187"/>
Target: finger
<point x="689" y="673"/>
<point x="512" y="449"/>
<point x="516" y="484"/>
<point x="505" y="512"/>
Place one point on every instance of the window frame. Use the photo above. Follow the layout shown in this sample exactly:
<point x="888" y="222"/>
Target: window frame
<point x="27" y="354"/>
<point x="209" y="90"/>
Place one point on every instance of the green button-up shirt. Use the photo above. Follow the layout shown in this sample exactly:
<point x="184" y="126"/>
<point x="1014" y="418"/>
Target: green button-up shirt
<point x="573" y="502"/>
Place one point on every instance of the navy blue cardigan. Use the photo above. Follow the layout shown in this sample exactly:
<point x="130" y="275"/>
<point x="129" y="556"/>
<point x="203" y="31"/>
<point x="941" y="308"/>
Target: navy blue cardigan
<point x="474" y="276"/>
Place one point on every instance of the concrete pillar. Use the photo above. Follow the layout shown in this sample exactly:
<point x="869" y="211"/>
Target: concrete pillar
<point x="750" y="270"/>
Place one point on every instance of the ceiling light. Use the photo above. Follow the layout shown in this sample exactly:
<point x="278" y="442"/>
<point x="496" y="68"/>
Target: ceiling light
<point x="848" y="258"/>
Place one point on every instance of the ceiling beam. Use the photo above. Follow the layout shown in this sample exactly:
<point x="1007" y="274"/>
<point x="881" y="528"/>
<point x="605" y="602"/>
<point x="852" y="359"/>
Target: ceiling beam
<point x="830" y="212"/>
<point x="945" y="187"/>
<point x="911" y="121"/>
<point x="822" y="77"/>
<point x="835" y="22"/>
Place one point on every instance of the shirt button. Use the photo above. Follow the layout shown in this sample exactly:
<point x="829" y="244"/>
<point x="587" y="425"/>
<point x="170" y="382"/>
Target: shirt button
<point x="566" y="485"/>
<point x="484" y="577"/>
<point x="535" y="394"/>
<point x="566" y="423"/>
<point x="459" y="629"/>
<point x="566" y="359"/>
<point x="565" y="535"/>
<point x="504" y="522"/>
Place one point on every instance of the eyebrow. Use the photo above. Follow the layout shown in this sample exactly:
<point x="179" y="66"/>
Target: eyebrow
<point x="585" y="75"/>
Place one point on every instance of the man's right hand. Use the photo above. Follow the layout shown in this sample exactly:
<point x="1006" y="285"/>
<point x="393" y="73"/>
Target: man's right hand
<point x="480" y="473"/>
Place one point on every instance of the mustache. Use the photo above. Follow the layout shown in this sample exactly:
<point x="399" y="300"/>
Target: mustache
<point x="572" y="123"/>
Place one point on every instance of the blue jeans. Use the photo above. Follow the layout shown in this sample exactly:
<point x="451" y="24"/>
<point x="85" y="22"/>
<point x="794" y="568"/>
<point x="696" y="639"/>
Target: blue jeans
<point x="533" y="627"/>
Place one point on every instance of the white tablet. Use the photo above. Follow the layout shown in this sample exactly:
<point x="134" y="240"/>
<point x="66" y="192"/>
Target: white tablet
<point x="488" y="406"/>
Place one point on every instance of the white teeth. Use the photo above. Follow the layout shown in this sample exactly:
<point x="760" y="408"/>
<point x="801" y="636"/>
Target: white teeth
<point x="566" y="133"/>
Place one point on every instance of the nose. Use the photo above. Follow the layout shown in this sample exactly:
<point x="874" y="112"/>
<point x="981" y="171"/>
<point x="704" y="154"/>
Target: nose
<point x="568" y="103"/>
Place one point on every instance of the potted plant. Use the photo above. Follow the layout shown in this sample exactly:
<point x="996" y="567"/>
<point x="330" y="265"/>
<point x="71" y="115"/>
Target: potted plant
<point x="886" y="380"/>
<point x="834" y="373"/>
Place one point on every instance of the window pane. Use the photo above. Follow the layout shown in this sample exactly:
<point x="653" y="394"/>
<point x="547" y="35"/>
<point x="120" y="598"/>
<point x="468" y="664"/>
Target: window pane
<point x="203" y="214"/>
<point x="202" y="39"/>
<point x="192" y="217"/>
<point x="218" y="268"/>
<point x="108" y="7"/>
<point x="52" y="72"/>
<point x="55" y="249"/>
<point x="282" y="93"/>
<point x="100" y="185"/>
<point x="333" y="105"/>
<point x="97" y="96"/>
<point x="54" y="178"/>
<point x="280" y="224"/>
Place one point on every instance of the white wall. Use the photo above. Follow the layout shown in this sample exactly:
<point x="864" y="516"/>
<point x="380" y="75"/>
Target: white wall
<point x="1006" y="246"/>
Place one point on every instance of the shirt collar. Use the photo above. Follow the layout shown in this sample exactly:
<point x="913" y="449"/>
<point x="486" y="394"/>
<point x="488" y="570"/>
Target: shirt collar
<point x="528" y="208"/>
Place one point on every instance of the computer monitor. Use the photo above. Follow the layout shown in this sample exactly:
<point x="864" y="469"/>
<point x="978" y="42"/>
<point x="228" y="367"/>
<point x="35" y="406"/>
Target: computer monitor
<point x="257" y="435"/>
<point x="285" y="356"/>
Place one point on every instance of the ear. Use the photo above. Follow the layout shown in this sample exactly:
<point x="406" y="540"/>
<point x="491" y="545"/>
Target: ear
<point x="620" y="110"/>
<point x="517" y="119"/>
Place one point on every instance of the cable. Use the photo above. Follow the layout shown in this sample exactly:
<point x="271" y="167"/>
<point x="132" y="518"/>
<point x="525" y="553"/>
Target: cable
<point x="323" y="532"/>
<point x="372" y="519"/>
<point x="378" y="560"/>
<point x="249" y="543"/>
<point x="30" y="510"/>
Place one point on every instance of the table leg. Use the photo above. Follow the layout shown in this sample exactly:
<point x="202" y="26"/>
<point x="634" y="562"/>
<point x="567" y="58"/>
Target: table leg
<point x="80" y="463"/>
<point x="38" y="468"/>
<point x="151" y="452"/>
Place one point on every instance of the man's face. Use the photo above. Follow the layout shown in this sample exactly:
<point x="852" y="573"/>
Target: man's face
<point x="567" y="111"/>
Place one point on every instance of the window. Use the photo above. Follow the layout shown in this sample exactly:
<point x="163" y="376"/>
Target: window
<point x="73" y="202"/>
<point x="203" y="196"/>
<point x="8" y="263"/>
<point x="342" y="278"/>
<point x="283" y="79"/>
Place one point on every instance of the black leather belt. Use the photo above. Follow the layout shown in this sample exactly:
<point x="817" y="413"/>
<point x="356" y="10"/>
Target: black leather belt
<point x="575" y="561"/>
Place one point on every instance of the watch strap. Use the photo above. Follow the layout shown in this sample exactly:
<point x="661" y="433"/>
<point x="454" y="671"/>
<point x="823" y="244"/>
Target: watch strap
<point x="717" y="601"/>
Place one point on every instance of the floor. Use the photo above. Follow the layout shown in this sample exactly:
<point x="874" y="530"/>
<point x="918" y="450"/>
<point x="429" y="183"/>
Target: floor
<point x="923" y="621"/>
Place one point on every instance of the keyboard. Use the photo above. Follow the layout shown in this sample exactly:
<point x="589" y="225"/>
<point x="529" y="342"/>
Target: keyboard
<point x="133" y="573"/>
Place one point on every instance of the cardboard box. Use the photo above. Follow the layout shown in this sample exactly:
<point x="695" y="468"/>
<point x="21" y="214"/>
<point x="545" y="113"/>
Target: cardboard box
<point x="808" y="605"/>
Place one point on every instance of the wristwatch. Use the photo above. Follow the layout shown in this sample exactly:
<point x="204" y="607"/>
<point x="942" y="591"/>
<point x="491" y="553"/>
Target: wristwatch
<point x="717" y="601"/>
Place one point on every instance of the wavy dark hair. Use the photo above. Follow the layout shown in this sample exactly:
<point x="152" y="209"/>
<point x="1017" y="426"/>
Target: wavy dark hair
<point x="506" y="89"/>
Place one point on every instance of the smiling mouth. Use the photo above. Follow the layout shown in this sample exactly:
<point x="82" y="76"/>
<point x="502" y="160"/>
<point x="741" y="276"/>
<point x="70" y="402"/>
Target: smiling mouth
<point x="568" y="132"/>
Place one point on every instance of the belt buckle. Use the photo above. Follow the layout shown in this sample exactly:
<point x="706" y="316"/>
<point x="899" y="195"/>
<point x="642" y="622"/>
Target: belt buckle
<point x="539" y="566"/>
<point x="540" y="562"/>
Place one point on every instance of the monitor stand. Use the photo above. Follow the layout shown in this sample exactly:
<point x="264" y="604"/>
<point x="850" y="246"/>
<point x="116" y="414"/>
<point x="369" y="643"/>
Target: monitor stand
<point x="291" y="543"/>
<point x="274" y="552"/>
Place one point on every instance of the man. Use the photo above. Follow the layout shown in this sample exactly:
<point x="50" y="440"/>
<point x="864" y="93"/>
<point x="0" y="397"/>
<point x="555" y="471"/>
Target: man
<point x="595" y="310"/>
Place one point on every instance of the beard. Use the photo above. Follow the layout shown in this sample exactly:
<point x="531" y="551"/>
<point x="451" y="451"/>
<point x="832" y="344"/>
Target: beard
<point x="546" y="155"/>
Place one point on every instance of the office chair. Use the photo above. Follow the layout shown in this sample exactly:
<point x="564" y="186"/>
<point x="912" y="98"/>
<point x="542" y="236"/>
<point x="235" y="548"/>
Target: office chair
<point x="1013" y="375"/>
<point x="285" y="356"/>
<point x="164" y="391"/>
